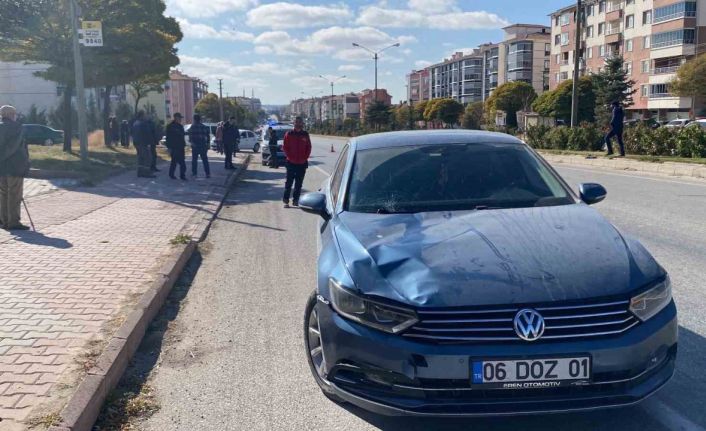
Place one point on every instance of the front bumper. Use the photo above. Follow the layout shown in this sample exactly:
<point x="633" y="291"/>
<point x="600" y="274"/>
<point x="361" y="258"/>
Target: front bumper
<point x="391" y="375"/>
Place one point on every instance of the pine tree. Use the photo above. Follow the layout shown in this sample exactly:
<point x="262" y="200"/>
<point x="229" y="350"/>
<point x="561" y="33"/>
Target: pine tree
<point x="612" y="84"/>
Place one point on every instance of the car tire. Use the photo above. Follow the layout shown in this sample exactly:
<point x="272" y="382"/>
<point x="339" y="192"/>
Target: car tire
<point x="48" y="142"/>
<point x="312" y="335"/>
<point x="256" y="148"/>
<point x="265" y="161"/>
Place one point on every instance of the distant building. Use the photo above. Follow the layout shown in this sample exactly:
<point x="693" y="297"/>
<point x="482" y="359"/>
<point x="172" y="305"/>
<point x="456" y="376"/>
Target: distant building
<point x="368" y="96"/>
<point x="252" y="104"/>
<point x="418" y="87"/>
<point x="152" y="100"/>
<point x="182" y="93"/>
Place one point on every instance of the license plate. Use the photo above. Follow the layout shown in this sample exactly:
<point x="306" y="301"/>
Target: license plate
<point x="530" y="373"/>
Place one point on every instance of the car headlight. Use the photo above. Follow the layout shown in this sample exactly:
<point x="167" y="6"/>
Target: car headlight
<point x="651" y="302"/>
<point x="379" y="316"/>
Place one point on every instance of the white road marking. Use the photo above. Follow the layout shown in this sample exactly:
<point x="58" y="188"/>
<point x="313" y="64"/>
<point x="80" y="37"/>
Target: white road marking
<point x="668" y="417"/>
<point x="322" y="171"/>
<point x="645" y="177"/>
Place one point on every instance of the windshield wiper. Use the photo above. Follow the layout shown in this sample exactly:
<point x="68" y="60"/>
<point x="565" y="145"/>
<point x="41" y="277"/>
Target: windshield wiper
<point x="387" y="211"/>
<point x="486" y="207"/>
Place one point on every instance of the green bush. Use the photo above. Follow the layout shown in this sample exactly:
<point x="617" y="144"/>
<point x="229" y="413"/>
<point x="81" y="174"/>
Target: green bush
<point x="536" y="136"/>
<point x="637" y="139"/>
<point x="690" y="142"/>
<point x="558" y="138"/>
<point x="585" y="138"/>
<point x="663" y="142"/>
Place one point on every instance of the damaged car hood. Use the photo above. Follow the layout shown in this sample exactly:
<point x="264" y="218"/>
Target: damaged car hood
<point x="487" y="257"/>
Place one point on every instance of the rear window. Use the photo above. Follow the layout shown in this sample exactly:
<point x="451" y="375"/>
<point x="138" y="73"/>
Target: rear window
<point x="452" y="177"/>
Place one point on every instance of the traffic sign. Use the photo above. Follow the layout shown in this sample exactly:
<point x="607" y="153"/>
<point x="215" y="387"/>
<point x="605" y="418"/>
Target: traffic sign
<point x="91" y="33"/>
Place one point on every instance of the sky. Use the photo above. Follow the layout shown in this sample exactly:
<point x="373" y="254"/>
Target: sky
<point x="278" y="49"/>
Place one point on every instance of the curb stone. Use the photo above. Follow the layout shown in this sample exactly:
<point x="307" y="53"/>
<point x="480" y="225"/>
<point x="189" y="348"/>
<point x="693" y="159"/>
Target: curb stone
<point x="84" y="406"/>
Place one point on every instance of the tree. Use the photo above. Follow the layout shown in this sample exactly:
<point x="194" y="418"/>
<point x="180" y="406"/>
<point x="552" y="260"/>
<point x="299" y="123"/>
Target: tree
<point x="139" y="40"/>
<point x="691" y="80"/>
<point x="612" y="84"/>
<point x="209" y="109"/>
<point x="35" y="116"/>
<point x="378" y="113"/>
<point x="93" y="121"/>
<point x="512" y="97"/>
<point x="473" y="116"/>
<point x="419" y="109"/>
<point x="449" y="111"/>
<point x="140" y="88"/>
<point x="557" y="103"/>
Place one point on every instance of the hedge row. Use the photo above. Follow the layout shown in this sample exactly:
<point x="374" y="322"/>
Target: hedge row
<point x="640" y="140"/>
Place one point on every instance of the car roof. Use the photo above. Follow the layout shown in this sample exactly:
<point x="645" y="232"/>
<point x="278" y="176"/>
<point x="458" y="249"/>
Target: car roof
<point x="432" y="137"/>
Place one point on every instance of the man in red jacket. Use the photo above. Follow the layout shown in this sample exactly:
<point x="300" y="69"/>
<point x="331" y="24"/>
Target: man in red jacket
<point x="297" y="149"/>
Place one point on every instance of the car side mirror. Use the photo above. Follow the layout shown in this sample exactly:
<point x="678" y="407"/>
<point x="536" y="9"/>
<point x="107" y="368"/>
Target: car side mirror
<point x="591" y="193"/>
<point x="314" y="203"/>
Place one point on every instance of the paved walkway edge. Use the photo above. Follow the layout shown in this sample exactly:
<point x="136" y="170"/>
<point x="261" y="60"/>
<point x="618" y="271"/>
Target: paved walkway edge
<point x="85" y="404"/>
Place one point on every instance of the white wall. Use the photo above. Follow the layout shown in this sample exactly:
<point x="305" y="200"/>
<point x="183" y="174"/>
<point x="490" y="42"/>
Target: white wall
<point x="21" y="89"/>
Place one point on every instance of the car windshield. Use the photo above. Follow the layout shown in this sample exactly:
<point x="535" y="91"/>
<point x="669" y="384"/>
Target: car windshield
<point x="451" y="177"/>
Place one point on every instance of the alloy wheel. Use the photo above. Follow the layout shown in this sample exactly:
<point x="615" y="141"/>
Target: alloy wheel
<point x="315" y="348"/>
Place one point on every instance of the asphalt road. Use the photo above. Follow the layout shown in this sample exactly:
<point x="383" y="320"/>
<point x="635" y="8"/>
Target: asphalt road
<point x="233" y="357"/>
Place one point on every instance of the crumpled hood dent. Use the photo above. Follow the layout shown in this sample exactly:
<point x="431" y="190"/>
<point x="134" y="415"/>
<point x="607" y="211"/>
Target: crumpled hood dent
<point x="513" y="256"/>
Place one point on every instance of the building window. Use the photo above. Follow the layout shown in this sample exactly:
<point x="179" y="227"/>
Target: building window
<point x="644" y="90"/>
<point x="630" y="21"/>
<point x="675" y="11"/>
<point x="601" y="28"/>
<point x="601" y="50"/>
<point x="659" y="90"/>
<point x="589" y="10"/>
<point x="546" y="64"/>
<point x="646" y="42"/>
<point x="556" y="21"/>
<point x="645" y="66"/>
<point x="628" y="68"/>
<point x="628" y="45"/>
<point x="558" y="59"/>
<point x="564" y="19"/>
<point x="629" y="2"/>
<point x="647" y="17"/>
<point x="682" y="36"/>
<point x="590" y="52"/>
<point x="601" y="6"/>
<point x="564" y="39"/>
<point x="547" y="49"/>
<point x="557" y="39"/>
<point x="589" y="31"/>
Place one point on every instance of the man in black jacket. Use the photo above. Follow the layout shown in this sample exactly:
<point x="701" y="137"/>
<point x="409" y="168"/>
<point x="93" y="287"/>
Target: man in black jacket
<point x="14" y="166"/>
<point x="142" y="138"/>
<point x="231" y="136"/>
<point x="616" y="129"/>
<point x="176" y="144"/>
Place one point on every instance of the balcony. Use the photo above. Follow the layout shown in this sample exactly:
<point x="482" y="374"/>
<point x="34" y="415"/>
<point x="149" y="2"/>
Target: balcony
<point x="664" y="70"/>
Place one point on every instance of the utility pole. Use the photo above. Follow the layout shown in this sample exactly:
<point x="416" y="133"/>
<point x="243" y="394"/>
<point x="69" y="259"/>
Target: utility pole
<point x="331" y="101"/>
<point x="80" y="90"/>
<point x="577" y="63"/>
<point x="409" y="106"/>
<point x="220" y="98"/>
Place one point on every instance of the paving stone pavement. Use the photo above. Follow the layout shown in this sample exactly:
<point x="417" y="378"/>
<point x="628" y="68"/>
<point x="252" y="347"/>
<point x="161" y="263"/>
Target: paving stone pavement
<point x="35" y="187"/>
<point x="66" y="287"/>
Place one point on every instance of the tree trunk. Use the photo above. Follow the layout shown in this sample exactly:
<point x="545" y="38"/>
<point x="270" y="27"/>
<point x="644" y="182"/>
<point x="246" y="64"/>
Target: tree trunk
<point x="106" y="116"/>
<point x="68" y="117"/>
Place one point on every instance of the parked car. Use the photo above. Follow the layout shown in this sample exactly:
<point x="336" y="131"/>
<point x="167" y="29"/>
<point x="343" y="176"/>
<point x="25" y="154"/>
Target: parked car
<point x="649" y="122"/>
<point x="460" y="275"/>
<point x="249" y="140"/>
<point x="678" y="123"/>
<point x="698" y="123"/>
<point x="211" y="127"/>
<point x="280" y="130"/>
<point x="42" y="135"/>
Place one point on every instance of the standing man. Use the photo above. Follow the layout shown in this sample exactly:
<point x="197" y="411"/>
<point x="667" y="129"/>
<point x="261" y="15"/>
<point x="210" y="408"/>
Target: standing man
<point x="153" y="144"/>
<point x="176" y="144"/>
<point x="199" y="136"/>
<point x="297" y="148"/>
<point x="616" y="129"/>
<point x="14" y="166"/>
<point x="142" y="138"/>
<point x="273" y="147"/>
<point x="231" y="134"/>
<point x="124" y="134"/>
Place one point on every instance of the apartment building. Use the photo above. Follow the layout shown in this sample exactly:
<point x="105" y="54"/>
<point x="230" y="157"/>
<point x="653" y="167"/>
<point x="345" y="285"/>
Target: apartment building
<point x="418" y="87"/>
<point x="338" y="107"/>
<point x="522" y="55"/>
<point x="367" y="96"/>
<point x="182" y="93"/>
<point x="654" y="37"/>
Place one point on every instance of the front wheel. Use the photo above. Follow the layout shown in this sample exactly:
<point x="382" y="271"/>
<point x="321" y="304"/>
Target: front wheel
<point x="256" y="148"/>
<point x="48" y="142"/>
<point x="314" y="348"/>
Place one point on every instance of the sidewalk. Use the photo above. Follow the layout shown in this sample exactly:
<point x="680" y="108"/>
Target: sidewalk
<point x="66" y="289"/>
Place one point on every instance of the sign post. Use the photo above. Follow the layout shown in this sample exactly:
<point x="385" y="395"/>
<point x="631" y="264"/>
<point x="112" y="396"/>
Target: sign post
<point x="92" y="33"/>
<point x="80" y="92"/>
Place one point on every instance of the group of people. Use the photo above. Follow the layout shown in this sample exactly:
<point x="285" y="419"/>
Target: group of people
<point x="119" y="132"/>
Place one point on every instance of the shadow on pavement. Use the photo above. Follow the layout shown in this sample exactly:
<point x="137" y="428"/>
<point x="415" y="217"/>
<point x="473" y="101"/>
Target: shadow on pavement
<point x="38" y="238"/>
<point x="132" y="389"/>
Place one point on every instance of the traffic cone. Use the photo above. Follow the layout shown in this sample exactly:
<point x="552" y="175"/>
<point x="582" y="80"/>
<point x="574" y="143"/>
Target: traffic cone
<point x="332" y="150"/>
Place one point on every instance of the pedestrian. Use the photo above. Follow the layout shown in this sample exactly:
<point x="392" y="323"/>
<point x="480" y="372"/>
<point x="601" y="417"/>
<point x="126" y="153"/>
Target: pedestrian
<point x="142" y="137"/>
<point x="199" y="136"/>
<point x="297" y="149"/>
<point x="273" y="147"/>
<point x="124" y="134"/>
<point x="153" y="144"/>
<point x="176" y="143"/>
<point x="231" y="135"/>
<point x="14" y="166"/>
<point x="114" y="130"/>
<point x="616" y="129"/>
<point x="218" y="138"/>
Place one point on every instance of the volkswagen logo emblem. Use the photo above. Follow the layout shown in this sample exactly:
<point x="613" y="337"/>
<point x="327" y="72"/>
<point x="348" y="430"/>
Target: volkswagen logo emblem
<point x="529" y="325"/>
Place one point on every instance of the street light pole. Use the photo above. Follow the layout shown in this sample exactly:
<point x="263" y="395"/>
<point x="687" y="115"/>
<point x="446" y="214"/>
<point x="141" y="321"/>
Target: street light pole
<point x="577" y="58"/>
<point x="376" y="56"/>
<point x="333" y="81"/>
<point x="80" y="90"/>
<point x="220" y="98"/>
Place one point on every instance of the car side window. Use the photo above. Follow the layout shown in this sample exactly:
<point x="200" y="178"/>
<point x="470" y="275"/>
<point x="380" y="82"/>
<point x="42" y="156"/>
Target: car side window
<point x="338" y="175"/>
<point x="251" y="135"/>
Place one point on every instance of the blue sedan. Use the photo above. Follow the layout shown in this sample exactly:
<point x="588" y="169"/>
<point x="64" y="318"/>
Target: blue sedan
<point x="459" y="275"/>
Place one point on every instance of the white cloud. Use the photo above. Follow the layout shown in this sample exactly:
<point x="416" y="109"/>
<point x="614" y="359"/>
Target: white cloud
<point x="349" y="68"/>
<point x="203" y="31"/>
<point x="432" y="6"/>
<point x="284" y="15"/>
<point x="207" y="9"/>
<point x="333" y="41"/>
<point x="465" y="51"/>
<point x="401" y="18"/>
<point x="421" y="64"/>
